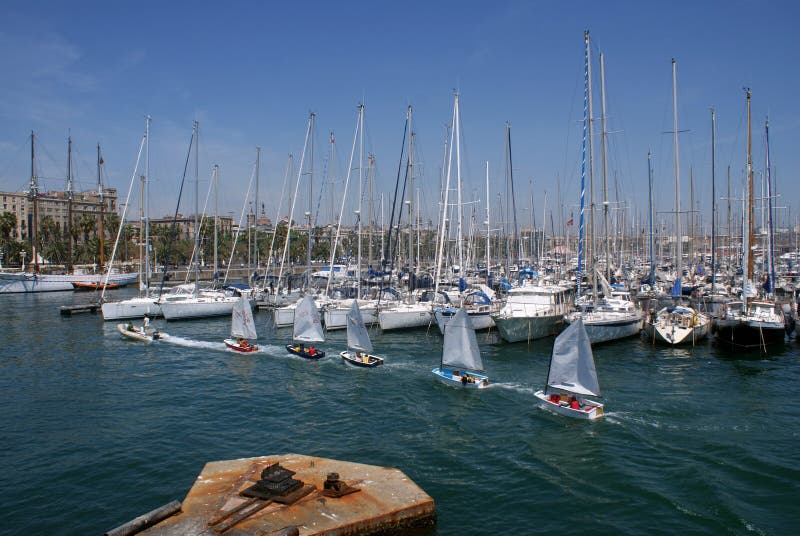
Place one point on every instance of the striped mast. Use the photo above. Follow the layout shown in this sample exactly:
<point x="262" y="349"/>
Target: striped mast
<point x="583" y="156"/>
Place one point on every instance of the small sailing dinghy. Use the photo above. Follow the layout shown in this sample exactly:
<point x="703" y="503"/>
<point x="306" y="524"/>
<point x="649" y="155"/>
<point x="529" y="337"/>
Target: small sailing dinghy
<point x="243" y="327"/>
<point x="358" y="344"/>
<point x="572" y="374"/>
<point x="461" y="358"/>
<point x="142" y="333"/>
<point x="307" y="329"/>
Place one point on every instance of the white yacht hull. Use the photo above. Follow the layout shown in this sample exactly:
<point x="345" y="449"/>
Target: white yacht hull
<point x="198" y="307"/>
<point x="610" y="328"/>
<point x="131" y="308"/>
<point x="405" y="317"/>
<point x="674" y="335"/>
<point x="336" y="317"/>
<point x="19" y="282"/>
<point x="480" y="320"/>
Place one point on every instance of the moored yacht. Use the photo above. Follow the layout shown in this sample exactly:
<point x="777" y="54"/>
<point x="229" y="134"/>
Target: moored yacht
<point x="532" y="312"/>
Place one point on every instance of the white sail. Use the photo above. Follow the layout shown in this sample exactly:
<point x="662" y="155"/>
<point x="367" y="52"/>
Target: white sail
<point x="242" y="324"/>
<point x="357" y="336"/>
<point x="307" y="325"/>
<point x="572" y="365"/>
<point x="460" y="344"/>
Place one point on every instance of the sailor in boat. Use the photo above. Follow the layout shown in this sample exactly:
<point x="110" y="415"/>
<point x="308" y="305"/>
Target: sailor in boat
<point x="145" y="325"/>
<point x="312" y="351"/>
<point x="244" y="343"/>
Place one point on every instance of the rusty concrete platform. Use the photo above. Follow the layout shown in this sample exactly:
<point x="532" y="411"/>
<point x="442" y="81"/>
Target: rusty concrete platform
<point x="388" y="501"/>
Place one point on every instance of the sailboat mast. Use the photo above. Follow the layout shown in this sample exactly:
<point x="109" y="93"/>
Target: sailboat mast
<point x="590" y="120"/>
<point x="196" y="208"/>
<point x="652" y="278"/>
<point x="255" y="217"/>
<point x="769" y="208"/>
<point x="440" y="253"/>
<point x="371" y="208"/>
<point x="603" y="134"/>
<point x="147" y="206"/>
<point x="583" y="161"/>
<point x="216" y="219"/>
<point x="33" y="224"/>
<point x="488" y="225"/>
<point x="459" y="240"/>
<point x="412" y="263"/>
<point x="713" y="202"/>
<point x="100" y="231"/>
<point x="678" y="242"/>
<point x="69" y="203"/>
<point x="360" y="194"/>
<point x="748" y="269"/>
<point x="310" y="197"/>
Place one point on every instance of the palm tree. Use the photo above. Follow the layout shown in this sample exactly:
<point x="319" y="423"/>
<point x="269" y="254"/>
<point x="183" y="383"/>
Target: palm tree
<point x="51" y="240"/>
<point x="8" y="222"/>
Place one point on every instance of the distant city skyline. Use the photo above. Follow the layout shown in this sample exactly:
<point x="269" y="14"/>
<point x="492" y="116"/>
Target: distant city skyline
<point x="251" y="73"/>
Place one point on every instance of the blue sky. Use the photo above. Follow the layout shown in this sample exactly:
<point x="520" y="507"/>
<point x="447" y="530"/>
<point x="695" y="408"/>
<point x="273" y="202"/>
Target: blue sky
<point x="252" y="72"/>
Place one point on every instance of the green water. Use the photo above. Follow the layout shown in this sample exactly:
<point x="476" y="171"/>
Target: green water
<point x="97" y="430"/>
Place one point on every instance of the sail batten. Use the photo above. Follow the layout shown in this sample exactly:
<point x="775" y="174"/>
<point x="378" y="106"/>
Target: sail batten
<point x="307" y="325"/>
<point x="460" y="344"/>
<point x="357" y="335"/>
<point x="242" y="324"/>
<point x="572" y="365"/>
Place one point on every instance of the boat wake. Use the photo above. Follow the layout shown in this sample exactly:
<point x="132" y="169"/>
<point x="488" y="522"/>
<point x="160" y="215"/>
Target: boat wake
<point x="191" y="343"/>
<point x="516" y="387"/>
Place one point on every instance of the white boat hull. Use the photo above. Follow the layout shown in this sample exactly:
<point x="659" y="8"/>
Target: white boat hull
<point x="405" y="317"/>
<point x="527" y="328"/>
<point x="366" y="360"/>
<point x="588" y="409"/>
<point x="607" y="328"/>
<point x="448" y="377"/>
<point x="197" y="308"/>
<point x="135" y="334"/>
<point x="675" y="335"/>
<point x="336" y="317"/>
<point x="20" y="282"/>
<point x="131" y="308"/>
<point x="480" y="321"/>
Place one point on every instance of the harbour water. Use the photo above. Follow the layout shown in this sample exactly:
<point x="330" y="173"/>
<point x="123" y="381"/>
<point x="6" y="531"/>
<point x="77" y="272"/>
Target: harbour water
<point x="97" y="430"/>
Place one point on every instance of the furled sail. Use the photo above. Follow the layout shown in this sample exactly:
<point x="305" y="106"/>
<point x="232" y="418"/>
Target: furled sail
<point x="572" y="365"/>
<point x="460" y="344"/>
